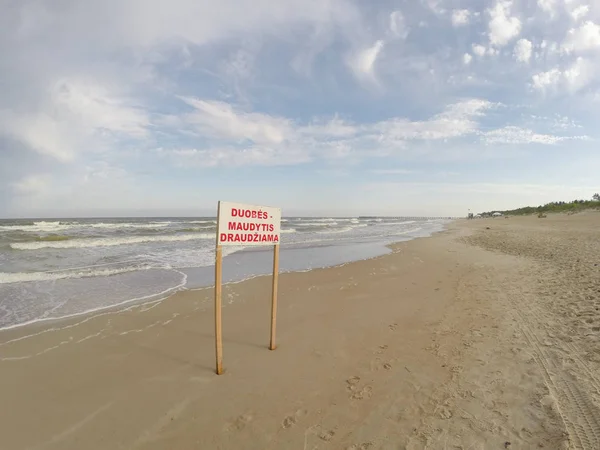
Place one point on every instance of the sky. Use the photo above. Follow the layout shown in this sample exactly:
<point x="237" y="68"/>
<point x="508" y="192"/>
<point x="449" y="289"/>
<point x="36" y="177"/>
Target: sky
<point x="320" y="107"/>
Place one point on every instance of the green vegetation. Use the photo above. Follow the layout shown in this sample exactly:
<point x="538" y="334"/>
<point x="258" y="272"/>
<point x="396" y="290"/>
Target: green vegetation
<point x="555" y="207"/>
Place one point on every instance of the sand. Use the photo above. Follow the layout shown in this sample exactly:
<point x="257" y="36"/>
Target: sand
<point x="474" y="338"/>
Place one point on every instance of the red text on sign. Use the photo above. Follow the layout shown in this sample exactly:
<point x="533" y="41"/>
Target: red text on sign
<point x="249" y="213"/>
<point x="249" y="237"/>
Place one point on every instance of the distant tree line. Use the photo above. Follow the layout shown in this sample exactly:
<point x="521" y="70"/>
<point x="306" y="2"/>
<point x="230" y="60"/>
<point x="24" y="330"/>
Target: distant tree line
<point x="553" y="207"/>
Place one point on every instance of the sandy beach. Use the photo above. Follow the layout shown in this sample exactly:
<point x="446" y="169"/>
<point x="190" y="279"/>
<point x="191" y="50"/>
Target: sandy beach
<point x="483" y="336"/>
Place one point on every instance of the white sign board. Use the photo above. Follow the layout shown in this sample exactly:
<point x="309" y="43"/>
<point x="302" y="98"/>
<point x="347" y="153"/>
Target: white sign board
<point x="239" y="224"/>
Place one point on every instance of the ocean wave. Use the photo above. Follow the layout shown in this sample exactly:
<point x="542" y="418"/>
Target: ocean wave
<point x="108" y="242"/>
<point x="315" y="219"/>
<point x="196" y="229"/>
<point x="336" y="230"/>
<point x="316" y="224"/>
<point x="36" y="227"/>
<point x="288" y="231"/>
<point x="202" y="221"/>
<point x="398" y="223"/>
<point x="22" y="277"/>
<point x="40" y="227"/>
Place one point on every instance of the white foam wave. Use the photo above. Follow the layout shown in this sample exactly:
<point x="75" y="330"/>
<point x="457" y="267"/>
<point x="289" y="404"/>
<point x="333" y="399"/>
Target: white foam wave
<point x="41" y="227"/>
<point x="316" y="224"/>
<point x="22" y="277"/>
<point x="338" y="230"/>
<point x="288" y="231"/>
<point x="116" y="226"/>
<point x="108" y="242"/>
<point x="36" y="227"/>
<point x="399" y="223"/>
<point x="156" y="297"/>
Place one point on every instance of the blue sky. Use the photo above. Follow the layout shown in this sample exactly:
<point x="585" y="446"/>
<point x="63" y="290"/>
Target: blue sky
<point x="321" y="107"/>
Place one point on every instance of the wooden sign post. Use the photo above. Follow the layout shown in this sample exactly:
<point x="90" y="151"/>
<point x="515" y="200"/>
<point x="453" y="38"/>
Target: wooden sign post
<point x="272" y="345"/>
<point x="245" y="225"/>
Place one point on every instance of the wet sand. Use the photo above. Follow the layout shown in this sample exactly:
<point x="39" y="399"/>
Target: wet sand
<point x="474" y="338"/>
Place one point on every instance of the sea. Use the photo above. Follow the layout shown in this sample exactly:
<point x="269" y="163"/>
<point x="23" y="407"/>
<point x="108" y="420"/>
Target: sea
<point x="52" y="269"/>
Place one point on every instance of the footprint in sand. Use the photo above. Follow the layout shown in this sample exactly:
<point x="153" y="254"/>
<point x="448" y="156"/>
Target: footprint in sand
<point x="288" y="422"/>
<point x="291" y="420"/>
<point x="387" y="366"/>
<point x="326" y="435"/>
<point x="382" y="348"/>
<point x="353" y="380"/>
<point x="364" y="393"/>
<point x="363" y="446"/>
<point x="393" y="326"/>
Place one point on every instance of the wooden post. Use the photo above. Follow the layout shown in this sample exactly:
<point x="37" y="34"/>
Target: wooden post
<point x="272" y="345"/>
<point x="218" y="331"/>
<point x="218" y="277"/>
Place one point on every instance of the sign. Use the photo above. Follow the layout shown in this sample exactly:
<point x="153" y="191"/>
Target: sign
<point x="246" y="225"/>
<point x="239" y="224"/>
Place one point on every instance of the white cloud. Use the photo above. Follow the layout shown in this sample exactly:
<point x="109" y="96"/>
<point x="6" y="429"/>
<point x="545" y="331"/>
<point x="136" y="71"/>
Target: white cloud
<point x="580" y="12"/>
<point x="467" y="58"/>
<point x="584" y="38"/>
<point x="398" y="26"/>
<point x="548" y="6"/>
<point x="572" y="79"/>
<point x="519" y="136"/>
<point x="76" y="116"/>
<point x="221" y="121"/>
<point x="479" y="50"/>
<point x="502" y="27"/>
<point x="236" y="137"/>
<point x="522" y="50"/>
<point x="456" y="121"/>
<point x="546" y="80"/>
<point x="579" y="75"/>
<point x="460" y="17"/>
<point x="435" y="6"/>
<point x="363" y="62"/>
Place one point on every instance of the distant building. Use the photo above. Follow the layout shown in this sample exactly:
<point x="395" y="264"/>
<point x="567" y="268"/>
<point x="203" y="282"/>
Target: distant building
<point x="497" y="214"/>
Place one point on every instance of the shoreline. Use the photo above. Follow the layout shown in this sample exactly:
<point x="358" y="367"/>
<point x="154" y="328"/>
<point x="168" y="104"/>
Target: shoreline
<point x="131" y="303"/>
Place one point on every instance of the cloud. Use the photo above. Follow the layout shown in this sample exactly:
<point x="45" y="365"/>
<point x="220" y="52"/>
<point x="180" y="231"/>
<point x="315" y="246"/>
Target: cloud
<point x="221" y="121"/>
<point x="502" y="27"/>
<point x="234" y="137"/>
<point x="467" y="58"/>
<point x="572" y="79"/>
<point x="522" y="50"/>
<point x="545" y="80"/>
<point x="435" y="6"/>
<point x="76" y="115"/>
<point x="457" y="120"/>
<point x="548" y="6"/>
<point x="460" y="17"/>
<point x="363" y="62"/>
<point x="584" y="38"/>
<point x="579" y="12"/>
<point x="478" y="49"/>
<point x="398" y="26"/>
<point x="519" y="136"/>
<point x="579" y="75"/>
